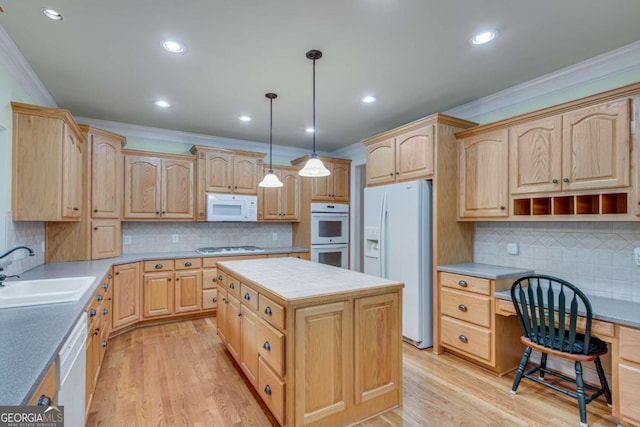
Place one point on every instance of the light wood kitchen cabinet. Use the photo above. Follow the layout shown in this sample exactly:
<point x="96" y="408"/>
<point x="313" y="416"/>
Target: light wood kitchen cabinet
<point x="249" y="343"/>
<point x="126" y="295"/>
<point x="628" y="375"/>
<point x="221" y="313"/>
<point x="484" y="173"/>
<point x="188" y="291"/>
<point x="334" y="187"/>
<point x="282" y="203"/>
<point x="158" y="187"/>
<point x="48" y="171"/>
<point x="157" y="294"/>
<point x="47" y="387"/>
<point x="105" y="238"/>
<point x="403" y="157"/>
<point x="233" y="323"/>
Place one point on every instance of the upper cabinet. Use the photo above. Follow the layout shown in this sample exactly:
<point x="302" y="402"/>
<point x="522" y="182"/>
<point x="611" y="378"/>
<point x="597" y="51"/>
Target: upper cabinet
<point x="225" y="171"/>
<point x="158" y="186"/>
<point x="281" y="203"/>
<point x="48" y="153"/>
<point x="403" y="157"/>
<point x="332" y="188"/>
<point x="484" y="189"/>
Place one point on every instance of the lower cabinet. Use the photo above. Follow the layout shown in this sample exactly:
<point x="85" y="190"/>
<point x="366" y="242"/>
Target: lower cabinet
<point x="629" y="375"/>
<point x="188" y="291"/>
<point x="126" y="295"/>
<point x="157" y="294"/>
<point x="47" y="387"/>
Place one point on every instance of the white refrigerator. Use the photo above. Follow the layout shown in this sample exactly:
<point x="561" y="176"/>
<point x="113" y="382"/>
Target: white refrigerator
<point x="397" y="246"/>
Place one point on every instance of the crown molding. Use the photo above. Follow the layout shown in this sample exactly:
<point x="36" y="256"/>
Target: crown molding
<point x="22" y="72"/>
<point x="188" y="138"/>
<point x="618" y="61"/>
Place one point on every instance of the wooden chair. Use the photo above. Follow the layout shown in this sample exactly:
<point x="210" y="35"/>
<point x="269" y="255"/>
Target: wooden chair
<point x="547" y="309"/>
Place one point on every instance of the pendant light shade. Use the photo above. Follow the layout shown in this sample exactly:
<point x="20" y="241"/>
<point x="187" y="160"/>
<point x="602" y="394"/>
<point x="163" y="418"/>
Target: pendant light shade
<point x="314" y="166"/>
<point x="270" y="180"/>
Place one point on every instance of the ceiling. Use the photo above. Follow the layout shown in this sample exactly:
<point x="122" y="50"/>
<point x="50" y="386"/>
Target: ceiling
<point x="104" y="59"/>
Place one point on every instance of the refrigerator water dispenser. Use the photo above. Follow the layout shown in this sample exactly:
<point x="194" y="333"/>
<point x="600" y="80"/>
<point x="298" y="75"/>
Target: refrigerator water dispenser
<point x="371" y="242"/>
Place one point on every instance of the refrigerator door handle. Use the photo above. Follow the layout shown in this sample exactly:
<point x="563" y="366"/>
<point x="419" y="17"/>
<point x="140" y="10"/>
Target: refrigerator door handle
<point x="383" y="231"/>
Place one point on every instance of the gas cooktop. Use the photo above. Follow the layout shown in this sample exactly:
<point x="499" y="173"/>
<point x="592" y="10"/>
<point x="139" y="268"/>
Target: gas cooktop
<point x="230" y="250"/>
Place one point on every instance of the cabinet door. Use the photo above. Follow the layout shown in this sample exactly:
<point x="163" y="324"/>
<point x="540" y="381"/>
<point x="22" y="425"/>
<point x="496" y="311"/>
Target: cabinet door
<point x="177" y="189"/>
<point x="535" y="156"/>
<point x="414" y="154"/>
<point x="322" y="187"/>
<point x="221" y="313"/>
<point x="329" y="365"/>
<point x="72" y="176"/>
<point x="106" y="177"/>
<point x="105" y="238"/>
<point x="188" y="291"/>
<point x="219" y="172"/>
<point x="381" y="162"/>
<point x="271" y="198"/>
<point x="157" y="294"/>
<point x="596" y="147"/>
<point x="289" y="195"/>
<point x="340" y="182"/>
<point x="234" y="334"/>
<point x="249" y="353"/>
<point x="629" y="384"/>
<point x="142" y="185"/>
<point x="378" y="347"/>
<point x="245" y="174"/>
<point x="126" y="294"/>
<point x="484" y="181"/>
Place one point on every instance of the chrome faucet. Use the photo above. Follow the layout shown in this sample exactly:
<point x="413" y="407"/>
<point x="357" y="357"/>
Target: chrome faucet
<point x="10" y="251"/>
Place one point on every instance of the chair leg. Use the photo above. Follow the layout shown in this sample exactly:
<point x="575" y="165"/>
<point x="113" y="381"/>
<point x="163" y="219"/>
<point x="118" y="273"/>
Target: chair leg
<point x="543" y="365"/>
<point x="520" y="372"/>
<point x="582" y="406"/>
<point x="603" y="380"/>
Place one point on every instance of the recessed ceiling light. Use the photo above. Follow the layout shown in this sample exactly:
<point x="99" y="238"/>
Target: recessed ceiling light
<point x="368" y="99"/>
<point x="484" y="37"/>
<point x="309" y="130"/>
<point x="173" y="46"/>
<point x="162" y="103"/>
<point x="52" y="14"/>
<point x="245" y="118"/>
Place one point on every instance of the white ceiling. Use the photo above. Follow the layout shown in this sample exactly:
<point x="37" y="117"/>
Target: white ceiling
<point x="105" y="61"/>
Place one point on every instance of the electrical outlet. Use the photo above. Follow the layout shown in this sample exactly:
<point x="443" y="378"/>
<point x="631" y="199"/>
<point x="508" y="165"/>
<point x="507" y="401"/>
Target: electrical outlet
<point x="512" y="248"/>
<point x="274" y="236"/>
<point x="636" y="255"/>
<point x="175" y="238"/>
<point x="126" y="240"/>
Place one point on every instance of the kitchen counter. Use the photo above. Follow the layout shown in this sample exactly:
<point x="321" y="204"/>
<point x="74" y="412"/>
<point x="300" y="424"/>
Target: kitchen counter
<point x="487" y="271"/>
<point x="30" y="337"/>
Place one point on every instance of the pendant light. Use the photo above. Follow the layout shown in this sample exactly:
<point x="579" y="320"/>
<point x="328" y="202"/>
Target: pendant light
<point x="270" y="179"/>
<point x="314" y="166"/>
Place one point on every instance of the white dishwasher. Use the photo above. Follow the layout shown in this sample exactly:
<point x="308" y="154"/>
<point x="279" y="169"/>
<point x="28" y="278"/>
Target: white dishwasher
<point x="72" y="360"/>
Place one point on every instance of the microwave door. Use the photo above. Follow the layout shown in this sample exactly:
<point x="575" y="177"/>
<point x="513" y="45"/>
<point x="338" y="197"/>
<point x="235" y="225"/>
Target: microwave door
<point x="229" y="211"/>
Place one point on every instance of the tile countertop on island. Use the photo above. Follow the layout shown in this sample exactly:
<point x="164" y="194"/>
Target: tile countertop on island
<point x="30" y="337"/>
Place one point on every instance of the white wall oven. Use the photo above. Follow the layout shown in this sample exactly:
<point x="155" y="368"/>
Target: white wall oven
<point x="330" y="234"/>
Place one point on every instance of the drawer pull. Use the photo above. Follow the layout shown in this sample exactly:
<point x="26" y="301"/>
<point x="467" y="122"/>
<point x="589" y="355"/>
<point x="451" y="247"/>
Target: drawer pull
<point x="247" y="296"/>
<point x="99" y="298"/>
<point x="267" y="390"/>
<point x="220" y="277"/>
<point x="158" y="266"/>
<point x="462" y="283"/>
<point x="268" y="311"/>
<point x="462" y="307"/>
<point x="214" y="279"/>
<point x="44" y="400"/>
<point x="92" y="312"/>
<point x="266" y="346"/>
<point x="232" y="286"/>
<point x="96" y="331"/>
<point x="104" y="344"/>
<point x="187" y="264"/>
<point x="105" y="286"/>
<point x="463" y="338"/>
<point x="214" y="299"/>
<point x="105" y="312"/>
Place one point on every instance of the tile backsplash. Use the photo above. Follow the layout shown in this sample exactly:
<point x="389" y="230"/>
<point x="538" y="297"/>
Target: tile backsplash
<point x="27" y="233"/>
<point x="595" y="256"/>
<point x="159" y="237"/>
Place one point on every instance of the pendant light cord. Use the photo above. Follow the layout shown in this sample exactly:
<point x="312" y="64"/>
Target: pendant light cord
<point x="271" y="135"/>
<point x="314" y="108"/>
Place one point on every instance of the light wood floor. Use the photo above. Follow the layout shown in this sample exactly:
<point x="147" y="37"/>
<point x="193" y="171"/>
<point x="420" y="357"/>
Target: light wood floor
<point x="180" y="375"/>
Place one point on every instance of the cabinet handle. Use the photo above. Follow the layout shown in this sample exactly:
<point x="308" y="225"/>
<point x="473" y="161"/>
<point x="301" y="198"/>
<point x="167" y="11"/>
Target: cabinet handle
<point x="232" y="285"/>
<point x="157" y="212"/>
<point x="109" y="277"/>
<point x="235" y="187"/>
<point x="95" y="210"/>
<point x="117" y="273"/>
<point x="565" y="179"/>
<point x="239" y="314"/>
<point x="462" y="283"/>
<point x="220" y="277"/>
<point x="247" y="296"/>
<point x="397" y="173"/>
<point x="462" y="307"/>
<point x="164" y="212"/>
<point x="267" y="390"/>
<point x="177" y="279"/>
<point x="391" y="174"/>
<point x="99" y="297"/>
<point x="76" y="209"/>
<point x="92" y="312"/>
<point x="44" y="400"/>
<point x="159" y="266"/>
<point x="95" y="228"/>
<point x="266" y="346"/>
<point x="502" y="208"/>
<point x="463" y="339"/>
<point x="105" y="311"/>
<point x="187" y="264"/>
<point x="555" y="181"/>
<point x="104" y="344"/>
<point x="214" y="279"/>
<point x="105" y="286"/>
<point x="268" y="311"/>
<point x="96" y="331"/>
<point x="224" y="300"/>
<point x="228" y="186"/>
<point x="169" y="279"/>
<point x="214" y="299"/>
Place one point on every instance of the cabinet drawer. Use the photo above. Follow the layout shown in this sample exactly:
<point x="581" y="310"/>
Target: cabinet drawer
<point x="249" y="296"/>
<point x="466" y="306"/>
<point x="629" y="384"/>
<point x="158" y="265"/>
<point x="466" y="337"/>
<point x="271" y="311"/>
<point x="271" y="346"/>
<point x="271" y="390"/>
<point x="209" y="278"/>
<point x="188" y="263"/>
<point x="232" y="285"/>
<point x="630" y="344"/>
<point x="465" y="283"/>
<point x="209" y="298"/>
<point x="210" y="262"/>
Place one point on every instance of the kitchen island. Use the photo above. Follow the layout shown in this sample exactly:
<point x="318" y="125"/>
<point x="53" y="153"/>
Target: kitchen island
<point x="320" y="344"/>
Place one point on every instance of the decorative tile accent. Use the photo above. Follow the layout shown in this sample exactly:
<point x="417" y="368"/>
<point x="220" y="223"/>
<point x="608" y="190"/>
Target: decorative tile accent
<point x="596" y="256"/>
<point x="27" y="233"/>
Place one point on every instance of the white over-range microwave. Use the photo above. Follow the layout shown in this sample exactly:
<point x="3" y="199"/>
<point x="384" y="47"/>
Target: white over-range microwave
<point x="231" y="208"/>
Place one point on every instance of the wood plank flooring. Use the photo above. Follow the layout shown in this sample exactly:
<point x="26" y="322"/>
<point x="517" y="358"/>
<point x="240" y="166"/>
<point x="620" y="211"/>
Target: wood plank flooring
<point x="179" y="375"/>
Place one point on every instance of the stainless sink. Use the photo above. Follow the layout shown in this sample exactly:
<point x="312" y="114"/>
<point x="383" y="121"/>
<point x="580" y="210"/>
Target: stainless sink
<point x="20" y="293"/>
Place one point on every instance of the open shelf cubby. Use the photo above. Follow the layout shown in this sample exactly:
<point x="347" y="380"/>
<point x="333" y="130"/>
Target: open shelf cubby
<point x="585" y="204"/>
